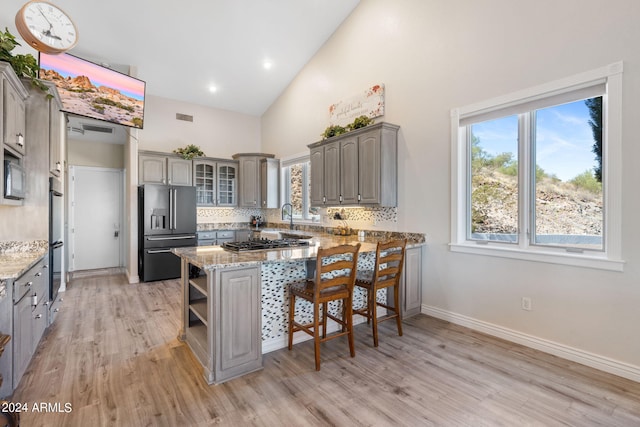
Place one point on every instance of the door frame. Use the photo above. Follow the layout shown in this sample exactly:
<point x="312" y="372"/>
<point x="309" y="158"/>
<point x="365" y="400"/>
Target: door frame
<point x="71" y="209"/>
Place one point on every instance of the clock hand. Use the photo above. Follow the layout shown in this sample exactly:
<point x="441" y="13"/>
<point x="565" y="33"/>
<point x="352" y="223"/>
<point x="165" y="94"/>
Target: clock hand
<point x="45" y="18"/>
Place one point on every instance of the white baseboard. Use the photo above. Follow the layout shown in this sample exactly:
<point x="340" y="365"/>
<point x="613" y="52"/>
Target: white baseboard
<point x="130" y="278"/>
<point x="596" y="361"/>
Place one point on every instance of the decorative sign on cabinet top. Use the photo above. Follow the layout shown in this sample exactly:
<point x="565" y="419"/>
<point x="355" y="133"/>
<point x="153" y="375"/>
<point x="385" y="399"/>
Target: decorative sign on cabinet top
<point x="369" y="103"/>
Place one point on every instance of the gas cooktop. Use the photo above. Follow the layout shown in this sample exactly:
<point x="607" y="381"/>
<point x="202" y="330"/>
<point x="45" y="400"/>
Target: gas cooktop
<point x="259" y="244"/>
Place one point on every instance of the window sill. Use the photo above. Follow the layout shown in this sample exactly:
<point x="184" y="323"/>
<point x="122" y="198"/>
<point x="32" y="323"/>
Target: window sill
<point x="576" y="260"/>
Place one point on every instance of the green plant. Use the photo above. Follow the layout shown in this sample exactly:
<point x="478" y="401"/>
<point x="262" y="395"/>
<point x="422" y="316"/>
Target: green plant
<point x="24" y="65"/>
<point x="333" y="130"/>
<point x="360" y="122"/>
<point x="189" y="152"/>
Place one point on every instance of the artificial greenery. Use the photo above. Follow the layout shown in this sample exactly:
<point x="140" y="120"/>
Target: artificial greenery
<point x="335" y="130"/>
<point x="189" y="152"/>
<point x="24" y="65"/>
<point x="360" y="122"/>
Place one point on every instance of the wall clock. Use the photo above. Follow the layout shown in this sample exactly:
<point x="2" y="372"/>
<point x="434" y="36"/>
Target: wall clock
<point x="46" y="27"/>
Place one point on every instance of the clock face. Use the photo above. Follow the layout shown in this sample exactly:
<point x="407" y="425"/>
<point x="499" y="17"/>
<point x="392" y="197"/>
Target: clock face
<point x="48" y="28"/>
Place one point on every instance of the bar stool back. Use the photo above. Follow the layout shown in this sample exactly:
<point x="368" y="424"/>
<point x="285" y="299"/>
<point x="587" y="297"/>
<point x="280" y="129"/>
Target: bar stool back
<point x="386" y="273"/>
<point x="334" y="280"/>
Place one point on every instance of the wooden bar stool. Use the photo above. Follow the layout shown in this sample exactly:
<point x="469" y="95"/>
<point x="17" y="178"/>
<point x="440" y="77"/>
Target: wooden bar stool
<point x="386" y="273"/>
<point x="334" y="280"/>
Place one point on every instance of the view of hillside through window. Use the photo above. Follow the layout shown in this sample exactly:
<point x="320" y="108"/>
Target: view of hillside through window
<point x="565" y="145"/>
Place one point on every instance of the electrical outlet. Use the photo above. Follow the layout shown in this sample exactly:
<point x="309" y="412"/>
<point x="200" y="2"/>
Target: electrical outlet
<point x="526" y="303"/>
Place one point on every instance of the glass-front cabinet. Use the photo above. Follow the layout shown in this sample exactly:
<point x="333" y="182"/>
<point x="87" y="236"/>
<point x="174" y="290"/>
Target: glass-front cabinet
<point x="216" y="182"/>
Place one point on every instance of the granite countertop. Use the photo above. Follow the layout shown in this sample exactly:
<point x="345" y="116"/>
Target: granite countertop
<point x="212" y="257"/>
<point x="18" y="257"/>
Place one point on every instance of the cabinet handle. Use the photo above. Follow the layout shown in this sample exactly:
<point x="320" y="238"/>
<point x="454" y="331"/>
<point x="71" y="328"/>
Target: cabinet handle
<point x="56" y="310"/>
<point x="359" y="198"/>
<point x="20" y="140"/>
<point x="38" y="274"/>
<point x="58" y="166"/>
<point x="45" y="266"/>
<point x="340" y="198"/>
<point x="28" y="284"/>
<point x="39" y="316"/>
<point x="324" y="199"/>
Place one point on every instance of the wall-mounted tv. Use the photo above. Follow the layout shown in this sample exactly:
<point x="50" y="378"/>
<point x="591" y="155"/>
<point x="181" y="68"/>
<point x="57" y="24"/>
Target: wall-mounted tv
<point x="91" y="90"/>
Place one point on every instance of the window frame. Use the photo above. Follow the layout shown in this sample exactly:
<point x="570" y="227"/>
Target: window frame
<point x="285" y="190"/>
<point x="608" y="259"/>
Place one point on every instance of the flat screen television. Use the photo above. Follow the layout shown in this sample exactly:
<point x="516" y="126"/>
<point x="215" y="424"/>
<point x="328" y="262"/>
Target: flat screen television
<point x="91" y="90"/>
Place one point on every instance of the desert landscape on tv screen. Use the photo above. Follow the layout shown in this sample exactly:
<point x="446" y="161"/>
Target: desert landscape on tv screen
<point x="90" y="90"/>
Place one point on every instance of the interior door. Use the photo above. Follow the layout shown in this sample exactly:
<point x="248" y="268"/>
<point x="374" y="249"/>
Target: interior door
<point x="95" y="217"/>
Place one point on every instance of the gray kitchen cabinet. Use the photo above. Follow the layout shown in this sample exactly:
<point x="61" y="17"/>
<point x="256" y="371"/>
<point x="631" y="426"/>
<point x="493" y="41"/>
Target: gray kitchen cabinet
<point x="14" y="95"/>
<point x="31" y="301"/>
<point x="222" y="322"/>
<point x="165" y="169"/>
<point x="216" y="182"/>
<point x="43" y="129"/>
<point x="55" y="137"/>
<point x="356" y="168"/>
<point x="249" y="188"/>
<point x="215" y="237"/>
<point x="410" y="294"/>
<point x="349" y="171"/>
<point x="325" y="174"/>
<point x="270" y="183"/>
<point x="6" y="328"/>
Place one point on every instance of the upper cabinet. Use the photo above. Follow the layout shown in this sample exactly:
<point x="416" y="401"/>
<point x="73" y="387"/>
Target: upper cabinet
<point x="356" y="168"/>
<point x="250" y="185"/>
<point x="166" y="169"/>
<point x="216" y="182"/>
<point x="13" y="111"/>
<point x="270" y="183"/>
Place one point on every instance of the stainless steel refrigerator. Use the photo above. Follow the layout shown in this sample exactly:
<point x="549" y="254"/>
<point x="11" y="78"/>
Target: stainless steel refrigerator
<point x="166" y="219"/>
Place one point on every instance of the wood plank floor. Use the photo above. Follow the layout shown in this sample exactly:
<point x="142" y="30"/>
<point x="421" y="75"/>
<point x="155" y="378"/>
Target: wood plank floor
<point x="113" y="355"/>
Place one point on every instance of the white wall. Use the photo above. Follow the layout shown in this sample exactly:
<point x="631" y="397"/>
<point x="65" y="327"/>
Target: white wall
<point x="98" y="154"/>
<point x="218" y="133"/>
<point x="436" y="55"/>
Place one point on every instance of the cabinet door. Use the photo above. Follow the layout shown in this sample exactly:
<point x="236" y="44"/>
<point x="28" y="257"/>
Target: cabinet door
<point x="55" y="128"/>
<point x="239" y="342"/>
<point x="204" y="179"/>
<point x="249" y="182"/>
<point x="270" y="183"/>
<point x="179" y="171"/>
<point x="152" y="169"/>
<point x="227" y="193"/>
<point x="411" y="288"/>
<point x="22" y="344"/>
<point x="317" y="176"/>
<point x="349" y="171"/>
<point x="369" y="167"/>
<point x="13" y="118"/>
<point x="332" y="173"/>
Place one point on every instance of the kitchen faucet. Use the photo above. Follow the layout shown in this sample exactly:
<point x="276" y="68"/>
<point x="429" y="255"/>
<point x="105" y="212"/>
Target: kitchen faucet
<point x="290" y="214"/>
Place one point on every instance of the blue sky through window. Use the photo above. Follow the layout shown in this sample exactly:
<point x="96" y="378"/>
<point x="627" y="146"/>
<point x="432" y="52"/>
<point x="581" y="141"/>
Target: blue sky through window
<point x="564" y="140"/>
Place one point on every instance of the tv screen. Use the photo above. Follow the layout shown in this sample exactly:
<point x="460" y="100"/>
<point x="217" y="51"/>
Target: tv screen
<point x="91" y="90"/>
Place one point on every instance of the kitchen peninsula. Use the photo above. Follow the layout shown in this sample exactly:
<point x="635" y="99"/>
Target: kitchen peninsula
<point x="236" y="303"/>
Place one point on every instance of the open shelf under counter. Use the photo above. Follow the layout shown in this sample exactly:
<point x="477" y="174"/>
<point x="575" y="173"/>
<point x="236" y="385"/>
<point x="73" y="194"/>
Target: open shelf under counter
<point x="199" y="308"/>
<point x="200" y="283"/>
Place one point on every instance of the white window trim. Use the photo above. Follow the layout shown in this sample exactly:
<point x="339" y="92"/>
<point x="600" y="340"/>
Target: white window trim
<point x="611" y="257"/>
<point x="284" y="187"/>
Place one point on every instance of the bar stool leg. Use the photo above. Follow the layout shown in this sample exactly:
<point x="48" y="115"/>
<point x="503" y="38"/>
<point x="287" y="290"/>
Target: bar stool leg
<point x="396" y="307"/>
<point x="348" y="310"/>
<point x="292" y="310"/>
<point x="373" y="312"/>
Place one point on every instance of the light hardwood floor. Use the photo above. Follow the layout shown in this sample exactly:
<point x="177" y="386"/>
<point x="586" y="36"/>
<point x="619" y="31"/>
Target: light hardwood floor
<point x="114" y="356"/>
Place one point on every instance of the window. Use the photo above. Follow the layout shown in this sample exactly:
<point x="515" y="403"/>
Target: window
<point x="297" y="187"/>
<point x="536" y="174"/>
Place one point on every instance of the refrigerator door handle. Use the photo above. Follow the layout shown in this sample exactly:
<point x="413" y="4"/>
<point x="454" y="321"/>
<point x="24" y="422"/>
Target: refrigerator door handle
<point x="159" y="251"/>
<point x="155" y="239"/>
<point x="171" y="202"/>
<point x="175" y="208"/>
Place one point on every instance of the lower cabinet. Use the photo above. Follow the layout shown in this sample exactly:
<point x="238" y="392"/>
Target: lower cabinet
<point x="410" y="294"/>
<point x="31" y="303"/>
<point x="222" y="320"/>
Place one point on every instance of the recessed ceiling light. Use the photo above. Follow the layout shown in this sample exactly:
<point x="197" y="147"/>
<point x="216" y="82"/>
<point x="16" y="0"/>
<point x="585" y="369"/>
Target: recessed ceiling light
<point x="267" y="65"/>
<point x="213" y="89"/>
